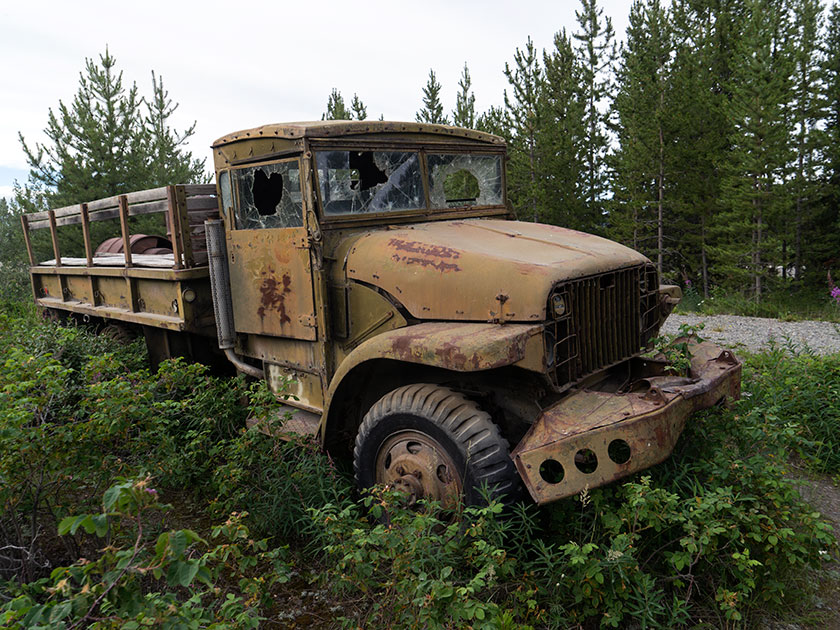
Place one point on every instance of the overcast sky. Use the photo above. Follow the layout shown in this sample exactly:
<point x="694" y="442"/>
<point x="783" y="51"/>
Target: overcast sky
<point x="234" y="65"/>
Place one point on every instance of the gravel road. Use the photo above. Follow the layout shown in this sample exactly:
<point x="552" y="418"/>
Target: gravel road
<point x="755" y="333"/>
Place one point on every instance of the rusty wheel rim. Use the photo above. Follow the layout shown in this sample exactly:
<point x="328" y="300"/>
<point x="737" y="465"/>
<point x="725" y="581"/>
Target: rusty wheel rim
<point x="417" y="465"/>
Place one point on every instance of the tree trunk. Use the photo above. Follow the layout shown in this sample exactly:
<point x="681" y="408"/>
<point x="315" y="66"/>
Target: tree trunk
<point x="660" y="234"/>
<point x="703" y="258"/>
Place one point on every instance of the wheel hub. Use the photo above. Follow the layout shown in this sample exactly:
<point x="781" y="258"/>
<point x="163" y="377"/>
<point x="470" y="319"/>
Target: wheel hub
<point x="416" y="464"/>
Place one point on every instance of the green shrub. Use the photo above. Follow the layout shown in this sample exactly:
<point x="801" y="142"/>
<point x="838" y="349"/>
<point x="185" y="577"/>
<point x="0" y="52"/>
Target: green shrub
<point x="416" y="570"/>
<point x="279" y="481"/>
<point x="172" y="580"/>
<point x="798" y="398"/>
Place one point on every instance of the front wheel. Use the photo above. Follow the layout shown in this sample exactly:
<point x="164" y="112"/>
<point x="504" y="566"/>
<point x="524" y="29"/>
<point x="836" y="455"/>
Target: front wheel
<point x="433" y="443"/>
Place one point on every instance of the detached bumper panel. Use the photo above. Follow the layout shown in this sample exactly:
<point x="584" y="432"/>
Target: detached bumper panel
<point x="592" y="438"/>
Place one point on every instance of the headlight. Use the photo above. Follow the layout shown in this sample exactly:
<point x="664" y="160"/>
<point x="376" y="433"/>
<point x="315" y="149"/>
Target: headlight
<point x="558" y="304"/>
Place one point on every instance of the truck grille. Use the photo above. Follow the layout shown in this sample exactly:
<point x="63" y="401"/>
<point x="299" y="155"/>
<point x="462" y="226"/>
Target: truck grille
<point x="607" y="319"/>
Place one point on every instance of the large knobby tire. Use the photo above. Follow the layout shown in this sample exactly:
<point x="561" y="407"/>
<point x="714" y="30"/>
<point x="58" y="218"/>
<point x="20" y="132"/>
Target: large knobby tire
<point x="434" y="443"/>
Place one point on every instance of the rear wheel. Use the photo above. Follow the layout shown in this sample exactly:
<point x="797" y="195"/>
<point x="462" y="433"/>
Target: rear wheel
<point x="433" y="443"/>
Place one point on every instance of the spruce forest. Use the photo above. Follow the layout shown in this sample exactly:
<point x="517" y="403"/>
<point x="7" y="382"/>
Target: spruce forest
<point x="708" y="138"/>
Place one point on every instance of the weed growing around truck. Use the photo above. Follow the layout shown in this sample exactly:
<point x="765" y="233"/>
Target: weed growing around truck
<point x="93" y="448"/>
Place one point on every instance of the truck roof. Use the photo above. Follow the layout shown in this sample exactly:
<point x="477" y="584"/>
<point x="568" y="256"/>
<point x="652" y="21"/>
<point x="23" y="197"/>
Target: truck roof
<point x="338" y="128"/>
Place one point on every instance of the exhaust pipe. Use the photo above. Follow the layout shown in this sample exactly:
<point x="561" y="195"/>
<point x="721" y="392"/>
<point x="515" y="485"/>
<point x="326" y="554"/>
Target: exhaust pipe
<point x="222" y="301"/>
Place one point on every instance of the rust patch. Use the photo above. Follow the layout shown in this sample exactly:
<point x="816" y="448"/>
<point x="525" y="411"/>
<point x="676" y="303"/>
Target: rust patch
<point x="451" y="357"/>
<point x="425" y="255"/>
<point x="663" y="435"/>
<point x="273" y="295"/>
<point x="414" y="247"/>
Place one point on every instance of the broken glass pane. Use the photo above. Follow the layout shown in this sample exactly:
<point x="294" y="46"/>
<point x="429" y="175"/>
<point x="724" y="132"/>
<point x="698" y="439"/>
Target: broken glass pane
<point x="227" y="193"/>
<point x="269" y="196"/>
<point x="465" y="180"/>
<point x="369" y="181"/>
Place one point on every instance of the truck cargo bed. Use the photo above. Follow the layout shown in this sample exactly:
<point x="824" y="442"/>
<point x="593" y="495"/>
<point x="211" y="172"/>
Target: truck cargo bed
<point x="168" y="290"/>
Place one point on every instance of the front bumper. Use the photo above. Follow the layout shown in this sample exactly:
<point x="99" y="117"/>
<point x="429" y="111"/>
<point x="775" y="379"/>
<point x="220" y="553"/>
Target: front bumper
<point x="592" y="438"/>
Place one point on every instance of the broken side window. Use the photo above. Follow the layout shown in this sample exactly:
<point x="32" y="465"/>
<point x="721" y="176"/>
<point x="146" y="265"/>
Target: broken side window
<point x="369" y="181"/>
<point x="269" y="196"/>
<point x="227" y="193"/>
<point x="464" y="180"/>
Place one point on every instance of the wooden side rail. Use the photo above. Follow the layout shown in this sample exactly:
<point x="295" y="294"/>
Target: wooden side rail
<point x="185" y="206"/>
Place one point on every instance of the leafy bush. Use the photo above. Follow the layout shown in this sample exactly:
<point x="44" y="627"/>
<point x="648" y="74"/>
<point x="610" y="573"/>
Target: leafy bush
<point x="797" y="403"/>
<point x="419" y="571"/>
<point x="171" y="580"/>
<point x="279" y="481"/>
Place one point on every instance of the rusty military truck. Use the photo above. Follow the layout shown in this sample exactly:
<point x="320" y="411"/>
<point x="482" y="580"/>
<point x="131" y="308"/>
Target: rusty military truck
<point x="373" y="272"/>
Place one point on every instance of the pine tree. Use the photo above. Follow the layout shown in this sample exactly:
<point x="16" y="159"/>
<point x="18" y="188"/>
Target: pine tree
<point x="464" y="113"/>
<point x="104" y="144"/>
<point x="807" y="112"/>
<point x="561" y="140"/>
<point x="704" y="36"/>
<point x="831" y="95"/>
<point x="638" y="213"/>
<point x="169" y="162"/>
<point x="358" y="108"/>
<point x="432" y="110"/>
<point x="526" y="81"/>
<point x="757" y="163"/>
<point x="496" y="121"/>
<point x="336" y="109"/>
<point x="596" y="55"/>
<point x="95" y="145"/>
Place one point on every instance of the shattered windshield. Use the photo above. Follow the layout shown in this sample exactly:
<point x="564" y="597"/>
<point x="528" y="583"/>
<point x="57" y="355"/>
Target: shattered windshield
<point x="461" y="179"/>
<point x="269" y="196"/>
<point x="369" y="181"/>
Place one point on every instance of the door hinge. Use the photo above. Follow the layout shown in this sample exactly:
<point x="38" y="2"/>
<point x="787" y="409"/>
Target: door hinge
<point x="307" y="320"/>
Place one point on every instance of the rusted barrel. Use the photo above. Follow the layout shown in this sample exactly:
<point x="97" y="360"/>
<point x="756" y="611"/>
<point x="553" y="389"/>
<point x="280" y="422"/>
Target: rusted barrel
<point x="140" y="244"/>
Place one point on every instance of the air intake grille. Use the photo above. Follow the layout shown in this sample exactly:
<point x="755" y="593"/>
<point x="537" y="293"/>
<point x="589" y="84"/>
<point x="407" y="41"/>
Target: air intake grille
<point x="605" y="319"/>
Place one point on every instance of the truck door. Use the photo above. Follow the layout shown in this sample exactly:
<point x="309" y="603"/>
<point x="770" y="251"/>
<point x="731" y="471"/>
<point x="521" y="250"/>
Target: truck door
<point x="270" y="274"/>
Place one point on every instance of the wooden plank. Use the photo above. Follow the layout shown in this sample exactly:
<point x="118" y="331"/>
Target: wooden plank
<point x="126" y="236"/>
<point x="64" y="211"/>
<point x="54" y="237"/>
<point x="38" y="216"/>
<point x="24" y="223"/>
<point x="202" y="203"/>
<point x="137" y="197"/>
<point x="85" y="217"/>
<point x="174" y="226"/>
<point x="163" y="261"/>
<point x="199" y="189"/>
<point x="103" y="215"/>
<point x="39" y="225"/>
<point x="198" y="217"/>
<point x="93" y="284"/>
<point x="153" y="194"/>
<point x="184" y="226"/>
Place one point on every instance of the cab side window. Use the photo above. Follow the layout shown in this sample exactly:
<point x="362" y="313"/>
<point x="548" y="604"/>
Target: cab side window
<point x="268" y="196"/>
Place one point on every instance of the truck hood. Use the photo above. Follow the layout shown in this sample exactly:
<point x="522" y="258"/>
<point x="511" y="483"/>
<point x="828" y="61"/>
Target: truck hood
<point x="480" y="269"/>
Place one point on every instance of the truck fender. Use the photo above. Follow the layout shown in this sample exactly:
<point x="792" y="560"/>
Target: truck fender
<point x="460" y="347"/>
